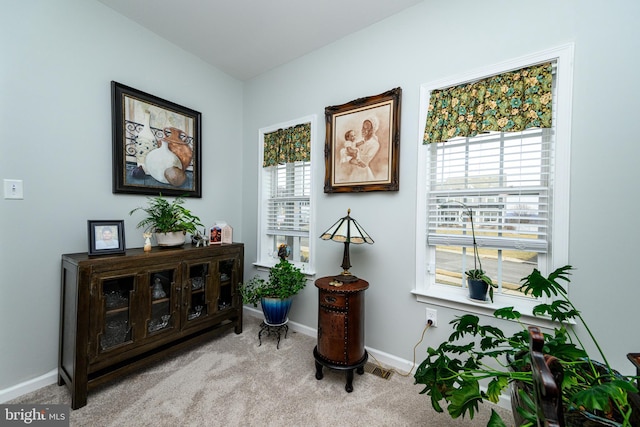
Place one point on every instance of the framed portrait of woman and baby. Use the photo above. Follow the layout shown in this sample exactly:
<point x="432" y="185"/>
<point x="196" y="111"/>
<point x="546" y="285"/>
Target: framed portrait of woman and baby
<point x="363" y="144"/>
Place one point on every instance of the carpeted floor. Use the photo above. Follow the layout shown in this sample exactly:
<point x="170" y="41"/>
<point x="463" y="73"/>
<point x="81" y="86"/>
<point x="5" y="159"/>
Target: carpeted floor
<point x="231" y="381"/>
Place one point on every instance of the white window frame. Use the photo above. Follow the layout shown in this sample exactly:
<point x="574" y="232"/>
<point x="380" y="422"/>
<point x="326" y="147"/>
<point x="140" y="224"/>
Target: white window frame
<point x="427" y="290"/>
<point x="265" y="256"/>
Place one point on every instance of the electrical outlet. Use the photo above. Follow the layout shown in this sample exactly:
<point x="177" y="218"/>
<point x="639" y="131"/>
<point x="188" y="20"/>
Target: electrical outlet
<point x="432" y="314"/>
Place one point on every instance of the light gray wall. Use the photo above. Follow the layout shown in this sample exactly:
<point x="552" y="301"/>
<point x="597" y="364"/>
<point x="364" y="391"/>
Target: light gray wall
<point x="432" y="41"/>
<point x="58" y="59"/>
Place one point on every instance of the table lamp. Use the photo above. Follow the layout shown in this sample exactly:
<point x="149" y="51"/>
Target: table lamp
<point x="346" y="230"/>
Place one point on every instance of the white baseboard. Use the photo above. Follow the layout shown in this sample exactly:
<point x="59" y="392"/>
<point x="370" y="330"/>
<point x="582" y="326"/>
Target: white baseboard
<point x="34" y="384"/>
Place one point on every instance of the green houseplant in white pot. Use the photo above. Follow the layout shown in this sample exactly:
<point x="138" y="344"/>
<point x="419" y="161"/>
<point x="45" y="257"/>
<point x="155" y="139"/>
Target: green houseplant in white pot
<point x="170" y="221"/>
<point x="275" y="294"/>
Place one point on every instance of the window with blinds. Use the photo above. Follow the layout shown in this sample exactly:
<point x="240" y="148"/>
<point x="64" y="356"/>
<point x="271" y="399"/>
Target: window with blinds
<point x="285" y="192"/>
<point x="288" y="207"/>
<point x="505" y="179"/>
<point x="515" y="183"/>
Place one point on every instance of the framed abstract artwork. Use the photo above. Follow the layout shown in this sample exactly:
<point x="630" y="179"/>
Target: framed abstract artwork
<point x="156" y="145"/>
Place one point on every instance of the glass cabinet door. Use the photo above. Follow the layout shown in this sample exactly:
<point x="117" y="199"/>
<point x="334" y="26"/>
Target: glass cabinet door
<point x="197" y="291"/>
<point x="116" y="295"/>
<point x="226" y="275"/>
<point x="164" y="300"/>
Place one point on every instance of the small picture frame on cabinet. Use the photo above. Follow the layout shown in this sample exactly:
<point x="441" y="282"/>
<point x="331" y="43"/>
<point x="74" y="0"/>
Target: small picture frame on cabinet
<point x="106" y="237"/>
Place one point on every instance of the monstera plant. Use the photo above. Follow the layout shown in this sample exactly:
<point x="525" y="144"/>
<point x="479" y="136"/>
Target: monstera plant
<point x="593" y="393"/>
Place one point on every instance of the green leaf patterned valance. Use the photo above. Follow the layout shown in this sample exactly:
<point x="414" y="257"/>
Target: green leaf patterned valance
<point x="508" y="102"/>
<point x="288" y="145"/>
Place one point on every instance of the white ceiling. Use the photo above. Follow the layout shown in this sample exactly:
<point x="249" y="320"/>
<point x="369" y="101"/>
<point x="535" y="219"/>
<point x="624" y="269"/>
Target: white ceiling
<point x="245" y="38"/>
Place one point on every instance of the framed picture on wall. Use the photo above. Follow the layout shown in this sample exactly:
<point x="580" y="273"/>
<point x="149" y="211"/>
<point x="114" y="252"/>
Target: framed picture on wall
<point x="106" y="237"/>
<point x="156" y="145"/>
<point x="362" y="147"/>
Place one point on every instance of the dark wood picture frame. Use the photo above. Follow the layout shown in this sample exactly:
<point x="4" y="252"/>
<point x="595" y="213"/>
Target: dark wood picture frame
<point x="106" y="237"/>
<point x="141" y="165"/>
<point x="362" y="148"/>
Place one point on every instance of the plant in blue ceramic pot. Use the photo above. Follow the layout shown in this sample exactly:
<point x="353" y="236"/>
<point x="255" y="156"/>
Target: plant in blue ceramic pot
<point x="276" y="293"/>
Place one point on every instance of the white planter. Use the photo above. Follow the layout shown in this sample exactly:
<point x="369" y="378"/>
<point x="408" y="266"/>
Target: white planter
<point x="175" y="238"/>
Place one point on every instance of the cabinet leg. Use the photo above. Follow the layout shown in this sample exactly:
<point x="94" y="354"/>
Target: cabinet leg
<point x="78" y="400"/>
<point x="319" y="375"/>
<point x="349" y="386"/>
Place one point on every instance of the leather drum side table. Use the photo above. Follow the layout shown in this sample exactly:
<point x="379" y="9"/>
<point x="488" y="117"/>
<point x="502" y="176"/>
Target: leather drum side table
<point x="340" y="328"/>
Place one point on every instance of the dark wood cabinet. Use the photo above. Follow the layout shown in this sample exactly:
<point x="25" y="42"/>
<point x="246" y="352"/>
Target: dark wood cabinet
<point x="341" y="328"/>
<point x="122" y="311"/>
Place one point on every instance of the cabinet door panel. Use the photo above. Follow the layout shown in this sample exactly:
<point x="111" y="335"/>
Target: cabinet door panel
<point x="227" y="275"/>
<point x="112" y="300"/>
<point x="197" y="292"/>
<point x="162" y="300"/>
<point x="331" y="335"/>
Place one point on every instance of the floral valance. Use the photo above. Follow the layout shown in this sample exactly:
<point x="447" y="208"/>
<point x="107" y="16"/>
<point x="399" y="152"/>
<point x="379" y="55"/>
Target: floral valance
<point x="288" y="145"/>
<point x="508" y="102"/>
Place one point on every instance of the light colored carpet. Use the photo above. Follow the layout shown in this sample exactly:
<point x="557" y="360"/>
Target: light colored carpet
<point x="231" y="381"/>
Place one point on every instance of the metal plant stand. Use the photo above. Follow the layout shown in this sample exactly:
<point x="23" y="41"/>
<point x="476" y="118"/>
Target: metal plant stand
<point x="275" y="329"/>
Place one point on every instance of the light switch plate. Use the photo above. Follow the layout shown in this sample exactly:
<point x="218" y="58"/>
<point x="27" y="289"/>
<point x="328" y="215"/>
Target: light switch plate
<point x="13" y="189"/>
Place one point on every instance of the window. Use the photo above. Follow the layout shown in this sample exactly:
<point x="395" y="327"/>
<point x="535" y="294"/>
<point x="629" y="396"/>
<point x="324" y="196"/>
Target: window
<point x="285" y="194"/>
<point x="515" y="183"/>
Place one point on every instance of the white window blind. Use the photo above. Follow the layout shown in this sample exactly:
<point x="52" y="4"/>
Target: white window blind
<point x="288" y="204"/>
<point x="504" y="178"/>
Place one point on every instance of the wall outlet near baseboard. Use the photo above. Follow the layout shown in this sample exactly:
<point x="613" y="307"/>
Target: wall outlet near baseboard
<point x="432" y="314"/>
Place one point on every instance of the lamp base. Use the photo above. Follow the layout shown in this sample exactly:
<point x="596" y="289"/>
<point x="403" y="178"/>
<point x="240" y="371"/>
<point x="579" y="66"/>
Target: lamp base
<point x="345" y="278"/>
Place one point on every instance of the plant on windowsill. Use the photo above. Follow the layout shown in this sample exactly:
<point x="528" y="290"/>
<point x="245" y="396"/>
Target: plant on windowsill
<point x="275" y="294"/>
<point x="478" y="282"/>
<point x="168" y="220"/>
<point x="593" y="393"/>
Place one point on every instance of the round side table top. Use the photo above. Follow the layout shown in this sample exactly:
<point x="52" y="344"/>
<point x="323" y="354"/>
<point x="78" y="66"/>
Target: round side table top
<point x="331" y="284"/>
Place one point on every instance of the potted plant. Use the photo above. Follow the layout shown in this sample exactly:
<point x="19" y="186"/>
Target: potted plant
<point x="452" y="372"/>
<point x="275" y="294"/>
<point x="478" y="282"/>
<point x="170" y="221"/>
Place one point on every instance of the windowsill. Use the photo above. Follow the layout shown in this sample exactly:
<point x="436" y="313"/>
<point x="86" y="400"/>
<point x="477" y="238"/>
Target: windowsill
<point x="457" y="299"/>
<point x="303" y="267"/>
